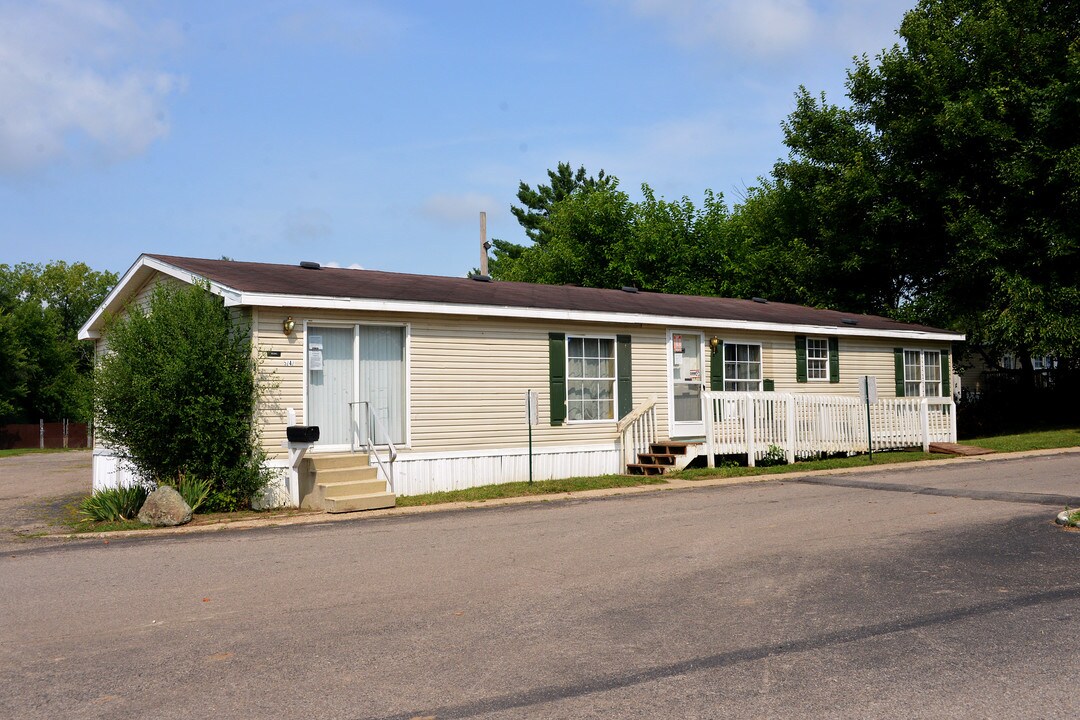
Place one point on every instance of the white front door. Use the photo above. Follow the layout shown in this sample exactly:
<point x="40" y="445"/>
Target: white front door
<point x="686" y="367"/>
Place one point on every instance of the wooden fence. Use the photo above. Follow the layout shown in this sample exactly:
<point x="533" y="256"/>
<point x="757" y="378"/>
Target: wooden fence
<point x="63" y="434"/>
<point x="804" y="425"/>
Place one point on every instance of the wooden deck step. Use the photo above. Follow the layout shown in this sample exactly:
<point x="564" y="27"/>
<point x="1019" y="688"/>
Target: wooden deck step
<point x="644" y="469"/>
<point x="657" y="458"/>
<point x="957" y="449"/>
<point x="669" y="448"/>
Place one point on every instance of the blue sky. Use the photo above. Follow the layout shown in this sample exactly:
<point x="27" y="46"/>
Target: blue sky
<point x="373" y="133"/>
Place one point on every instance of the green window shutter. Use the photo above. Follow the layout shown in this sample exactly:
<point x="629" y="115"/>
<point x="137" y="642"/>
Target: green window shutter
<point x="624" y="375"/>
<point x="768" y="385"/>
<point x="557" y="376"/>
<point x="946" y="376"/>
<point x="716" y="368"/>
<point x="834" y="360"/>
<point x="898" y="360"/>
<point x="800" y="358"/>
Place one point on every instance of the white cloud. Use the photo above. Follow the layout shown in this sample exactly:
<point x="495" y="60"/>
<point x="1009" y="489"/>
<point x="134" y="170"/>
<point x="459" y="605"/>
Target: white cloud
<point x="762" y="28"/>
<point x="68" y="79"/>
<point x="458" y="208"/>
<point x="766" y="30"/>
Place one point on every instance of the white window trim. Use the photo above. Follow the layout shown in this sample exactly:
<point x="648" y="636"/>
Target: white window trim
<point x="761" y="366"/>
<point x="828" y="364"/>
<point x="614" y="380"/>
<point x="922" y="371"/>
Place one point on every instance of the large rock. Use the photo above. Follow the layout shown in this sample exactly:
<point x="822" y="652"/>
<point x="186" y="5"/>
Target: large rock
<point x="164" y="508"/>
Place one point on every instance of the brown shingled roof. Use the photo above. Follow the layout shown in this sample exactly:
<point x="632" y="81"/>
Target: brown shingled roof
<point x="373" y="284"/>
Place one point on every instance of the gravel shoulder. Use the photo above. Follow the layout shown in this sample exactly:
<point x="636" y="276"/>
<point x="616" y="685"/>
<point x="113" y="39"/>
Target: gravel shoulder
<point x="34" y="489"/>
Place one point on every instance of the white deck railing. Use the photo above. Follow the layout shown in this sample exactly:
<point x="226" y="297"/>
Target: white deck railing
<point x="803" y="425"/>
<point x="637" y="431"/>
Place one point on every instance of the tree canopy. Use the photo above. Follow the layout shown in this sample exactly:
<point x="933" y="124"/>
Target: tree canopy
<point x="946" y="191"/>
<point x="44" y="368"/>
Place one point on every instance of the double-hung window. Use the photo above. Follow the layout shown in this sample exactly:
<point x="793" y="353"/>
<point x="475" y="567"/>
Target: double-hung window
<point x="742" y="367"/>
<point x="922" y="373"/>
<point x="590" y="378"/>
<point x="817" y="359"/>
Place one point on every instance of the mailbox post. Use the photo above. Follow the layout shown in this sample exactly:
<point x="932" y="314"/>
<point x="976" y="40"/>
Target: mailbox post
<point x="299" y="439"/>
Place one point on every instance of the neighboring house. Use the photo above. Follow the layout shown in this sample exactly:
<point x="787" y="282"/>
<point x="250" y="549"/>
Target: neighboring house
<point x="445" y="363"/>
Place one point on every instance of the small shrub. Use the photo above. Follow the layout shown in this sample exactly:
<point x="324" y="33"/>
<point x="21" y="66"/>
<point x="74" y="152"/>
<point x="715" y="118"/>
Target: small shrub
<point x="775" y="455"/>
<point x="121" y="503"/>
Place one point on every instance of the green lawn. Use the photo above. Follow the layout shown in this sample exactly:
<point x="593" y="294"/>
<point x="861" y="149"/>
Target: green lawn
<point x="880" y="458"/>
<point x="541" y="487"/>
<point x="1037" y="440"/>
<point x="29" y="451"/>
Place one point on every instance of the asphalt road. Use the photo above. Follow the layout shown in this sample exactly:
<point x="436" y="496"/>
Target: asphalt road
<point x="871" y="598"/>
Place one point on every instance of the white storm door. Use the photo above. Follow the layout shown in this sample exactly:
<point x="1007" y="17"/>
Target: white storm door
<point x="382" y="381"/>
<point x="331" y="376"/>
<point x="685" y="355"/>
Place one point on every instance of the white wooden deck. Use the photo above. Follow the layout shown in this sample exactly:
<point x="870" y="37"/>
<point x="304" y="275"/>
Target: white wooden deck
<point x="804" y="425"/>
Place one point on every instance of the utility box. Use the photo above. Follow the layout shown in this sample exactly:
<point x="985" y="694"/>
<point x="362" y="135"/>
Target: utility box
<point x="302" y="433"/>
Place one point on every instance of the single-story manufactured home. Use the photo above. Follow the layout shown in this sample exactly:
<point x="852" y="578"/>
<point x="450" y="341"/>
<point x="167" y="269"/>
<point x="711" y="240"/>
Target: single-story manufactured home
<point x="429" y="378"/>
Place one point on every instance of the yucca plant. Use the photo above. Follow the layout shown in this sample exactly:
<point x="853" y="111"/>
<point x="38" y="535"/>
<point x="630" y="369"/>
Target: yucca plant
<point x="192" y="489"/>
<point x="119" y="503"/>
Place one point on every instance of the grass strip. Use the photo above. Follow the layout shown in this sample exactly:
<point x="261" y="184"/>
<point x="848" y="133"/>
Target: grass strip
<point x="518" y="489"/>
<point x="13" y="452"/>
<point x="880" y="458"/>
<point x="1036" y="440"/>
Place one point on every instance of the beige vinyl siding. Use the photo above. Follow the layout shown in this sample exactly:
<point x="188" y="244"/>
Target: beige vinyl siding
<point x="467" y="379"/>
<point x="468" y="375"/>
<point x="283" y="383"/>
<point x="858" y="357"/>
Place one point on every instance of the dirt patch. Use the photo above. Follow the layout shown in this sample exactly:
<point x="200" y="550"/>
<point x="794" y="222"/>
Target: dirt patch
<point x="36" y="488"/>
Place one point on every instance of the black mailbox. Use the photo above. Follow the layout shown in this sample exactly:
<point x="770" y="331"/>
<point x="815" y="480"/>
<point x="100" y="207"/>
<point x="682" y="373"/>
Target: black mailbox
<point x="302" y="433"/>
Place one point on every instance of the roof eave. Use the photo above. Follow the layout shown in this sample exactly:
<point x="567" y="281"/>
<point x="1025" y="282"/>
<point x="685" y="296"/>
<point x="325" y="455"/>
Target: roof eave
<point x="589" y="316"/>
<point x="141" y="271"/>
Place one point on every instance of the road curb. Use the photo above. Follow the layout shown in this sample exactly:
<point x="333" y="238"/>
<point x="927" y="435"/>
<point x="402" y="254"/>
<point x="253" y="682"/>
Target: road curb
<point x="321" y="518"/>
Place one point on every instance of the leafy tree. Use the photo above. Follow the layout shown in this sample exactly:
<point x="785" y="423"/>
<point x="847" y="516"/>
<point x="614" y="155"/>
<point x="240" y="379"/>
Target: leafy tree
<point x="44" y="368"/>
<point x="948" y="192"/>
<point x="536" y="207"/>
<point x="175" y="395"/>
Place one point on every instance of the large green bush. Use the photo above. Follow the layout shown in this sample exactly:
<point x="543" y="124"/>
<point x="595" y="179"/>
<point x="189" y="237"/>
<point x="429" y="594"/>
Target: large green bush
<point x="175" y="394"/>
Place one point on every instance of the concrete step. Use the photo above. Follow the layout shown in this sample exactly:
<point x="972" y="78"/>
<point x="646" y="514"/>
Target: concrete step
<point x="351" y="487"/>
<point x="351" y="474"/>
<point x="351" y="503"/>
<point x="337" y="460"/>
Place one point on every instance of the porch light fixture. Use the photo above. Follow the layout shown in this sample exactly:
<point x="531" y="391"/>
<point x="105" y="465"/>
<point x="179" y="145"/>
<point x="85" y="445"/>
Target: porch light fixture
<point x="714" y="343"/>
<point x="288" y="325"/>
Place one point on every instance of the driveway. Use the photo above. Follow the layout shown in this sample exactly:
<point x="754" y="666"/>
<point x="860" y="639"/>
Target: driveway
<point x="768" y="600"/>
<point x="34" y="489"/>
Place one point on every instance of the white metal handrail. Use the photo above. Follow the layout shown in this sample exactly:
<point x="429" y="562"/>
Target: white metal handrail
<point x="374" y="426"/>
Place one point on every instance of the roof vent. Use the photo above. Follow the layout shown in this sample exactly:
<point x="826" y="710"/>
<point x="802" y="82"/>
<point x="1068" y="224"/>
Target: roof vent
<point x="629" y="288"/>
<point x="759" y="300"/>
<point x="308" y="265"/>
<point x="481" y="278"/>
<point x="849" y="321"/>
